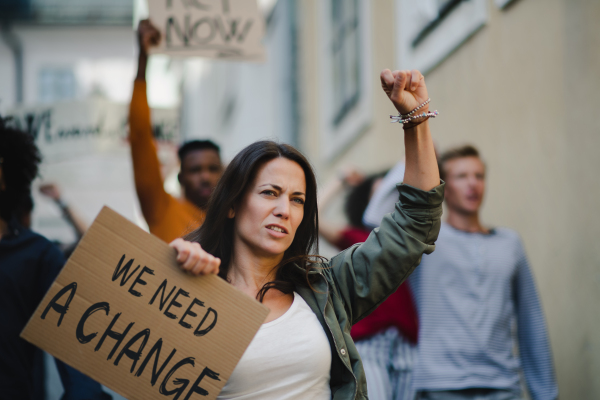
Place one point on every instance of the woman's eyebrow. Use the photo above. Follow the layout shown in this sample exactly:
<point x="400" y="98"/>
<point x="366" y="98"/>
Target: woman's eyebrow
<point x="272" y="185"/>
<point x="277" y="187"/>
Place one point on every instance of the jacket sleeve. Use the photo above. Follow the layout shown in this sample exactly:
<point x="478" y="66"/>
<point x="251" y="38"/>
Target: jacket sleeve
<point x="366" y="274"/>
<point x="534" y="346"/>
<point x="146" y="167"/>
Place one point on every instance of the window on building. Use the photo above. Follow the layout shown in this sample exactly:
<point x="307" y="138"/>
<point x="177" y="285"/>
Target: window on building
<point x="345" y="51"/>
<point x="429" y="30"/>
<point x="56" y="84"/>
<point x="345" y="72"/>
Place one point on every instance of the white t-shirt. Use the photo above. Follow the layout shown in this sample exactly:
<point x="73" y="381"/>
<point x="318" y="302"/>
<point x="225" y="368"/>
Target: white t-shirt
<point x="288" y="359"/>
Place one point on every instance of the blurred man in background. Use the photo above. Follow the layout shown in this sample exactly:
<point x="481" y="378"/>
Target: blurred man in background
<point x="201" y="167"/>
<point x="29" y="263"/>
<point x="470" y="293"/>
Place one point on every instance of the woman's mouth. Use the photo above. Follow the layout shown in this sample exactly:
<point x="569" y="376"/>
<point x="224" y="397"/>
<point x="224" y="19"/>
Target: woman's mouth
<point x="276" y="228"/>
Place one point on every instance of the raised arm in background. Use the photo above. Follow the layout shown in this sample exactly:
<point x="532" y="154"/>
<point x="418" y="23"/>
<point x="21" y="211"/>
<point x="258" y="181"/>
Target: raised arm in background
<point x="146" y="167"/>
<point x="69" y="214"/>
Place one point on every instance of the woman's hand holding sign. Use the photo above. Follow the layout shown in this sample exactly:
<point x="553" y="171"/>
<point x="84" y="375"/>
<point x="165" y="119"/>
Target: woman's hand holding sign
<point x="194" y="259"/>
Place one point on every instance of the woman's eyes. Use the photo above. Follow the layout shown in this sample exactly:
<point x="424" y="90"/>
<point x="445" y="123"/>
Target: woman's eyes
<point x="274" y="194"/>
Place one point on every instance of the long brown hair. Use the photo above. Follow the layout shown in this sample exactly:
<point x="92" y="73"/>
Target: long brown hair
<point x="216" y="233"/>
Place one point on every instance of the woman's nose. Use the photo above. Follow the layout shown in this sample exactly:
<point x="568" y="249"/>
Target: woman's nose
<point x="282" y="210"/>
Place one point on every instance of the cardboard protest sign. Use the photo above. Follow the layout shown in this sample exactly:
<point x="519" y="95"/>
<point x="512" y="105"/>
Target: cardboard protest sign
<point x="124" y="313"/>
<point x="230" y="29"/>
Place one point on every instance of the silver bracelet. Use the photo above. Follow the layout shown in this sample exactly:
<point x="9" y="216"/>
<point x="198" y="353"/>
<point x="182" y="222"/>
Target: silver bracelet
<point x="406" y="118"/>
<point x="418" y="108"/>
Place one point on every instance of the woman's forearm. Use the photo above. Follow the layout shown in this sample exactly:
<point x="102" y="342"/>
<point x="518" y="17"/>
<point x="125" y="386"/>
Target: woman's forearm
<point x="408" y="93"/>
<point x="421" y="164"/>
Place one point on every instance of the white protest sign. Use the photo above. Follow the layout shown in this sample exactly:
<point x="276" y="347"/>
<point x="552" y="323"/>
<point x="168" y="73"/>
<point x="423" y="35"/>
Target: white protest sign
<point x="75" y="129"/>
<point x="225" y="29"/>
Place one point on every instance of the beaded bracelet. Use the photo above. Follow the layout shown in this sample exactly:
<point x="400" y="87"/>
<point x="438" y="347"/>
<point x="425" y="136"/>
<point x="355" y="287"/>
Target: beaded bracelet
<point x="417" y="109"/>
<point x="406" y="119"/>
<point x="413" y="124"/>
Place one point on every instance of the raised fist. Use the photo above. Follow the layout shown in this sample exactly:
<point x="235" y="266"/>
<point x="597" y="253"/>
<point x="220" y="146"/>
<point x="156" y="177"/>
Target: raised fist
<point x="148" y="35"/>
<point x="406" y="89"/>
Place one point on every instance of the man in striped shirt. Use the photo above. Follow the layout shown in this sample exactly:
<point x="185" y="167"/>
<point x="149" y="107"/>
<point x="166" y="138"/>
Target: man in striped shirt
<point x="477" y="301"/>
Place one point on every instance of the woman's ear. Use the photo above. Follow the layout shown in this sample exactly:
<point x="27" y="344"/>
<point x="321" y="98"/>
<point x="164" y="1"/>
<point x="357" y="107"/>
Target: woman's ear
<point x="231" y="213"/>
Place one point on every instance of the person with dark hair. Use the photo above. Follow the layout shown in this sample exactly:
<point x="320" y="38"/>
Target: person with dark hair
<point x="478" y="302"/>
<point x="386" y="339"/>
<point x="260" y="234"/>
<point x="201" y="167"/>
<point x="29" y="263"/>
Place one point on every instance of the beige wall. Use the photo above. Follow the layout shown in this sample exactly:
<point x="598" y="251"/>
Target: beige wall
<point x="525" y="89"/>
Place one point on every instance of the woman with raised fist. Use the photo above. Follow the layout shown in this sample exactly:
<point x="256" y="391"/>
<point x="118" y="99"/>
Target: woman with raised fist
<point x="260" y="234"/>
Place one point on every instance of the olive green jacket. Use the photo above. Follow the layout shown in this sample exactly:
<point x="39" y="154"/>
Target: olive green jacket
<point x="360" y="278"/>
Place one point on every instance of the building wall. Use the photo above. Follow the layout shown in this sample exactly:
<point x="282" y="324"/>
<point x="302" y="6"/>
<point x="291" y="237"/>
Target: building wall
<point x="76" y="48"/>
<point x="368" y="150"/>
<point x="523" y="90"/>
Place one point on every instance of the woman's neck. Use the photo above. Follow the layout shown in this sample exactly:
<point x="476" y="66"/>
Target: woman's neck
<point x="249" y="272"/>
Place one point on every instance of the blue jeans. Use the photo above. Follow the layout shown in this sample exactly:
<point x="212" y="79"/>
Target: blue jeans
<point x="470" y="394"/>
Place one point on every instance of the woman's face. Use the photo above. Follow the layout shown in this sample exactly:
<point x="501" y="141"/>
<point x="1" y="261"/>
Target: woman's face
<point x="271" y="210"/>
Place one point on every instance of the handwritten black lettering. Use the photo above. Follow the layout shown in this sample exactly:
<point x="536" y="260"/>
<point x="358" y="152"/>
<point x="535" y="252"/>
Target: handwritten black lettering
<point x="156" y="372"/>
<point x="209" y="32"/>
<point x="197" y="4"/>
<point x="61" y="308"/>
<point x="83" y="338"/>
<point x="124" y="270"/>
<point x="134" y="355"/>
<point x="175" y="303"/>
<point x="139" y="280"/>
<point x="118" y="336"/>
<point x="182" y="34"/>
<point x="197" y="389"/>
<point x="162" y="301"/>
<point x="181" y="383"/>
<point x="190" y="312"/>
<point x="186" y="32"/>
<point x="203" y="332"/>
<point x="225" y="4"/>
<point x="232" y="32"/>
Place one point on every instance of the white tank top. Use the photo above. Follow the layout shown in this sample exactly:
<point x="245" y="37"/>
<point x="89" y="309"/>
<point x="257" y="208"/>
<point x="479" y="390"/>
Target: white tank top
<point x="289" y="358"/>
